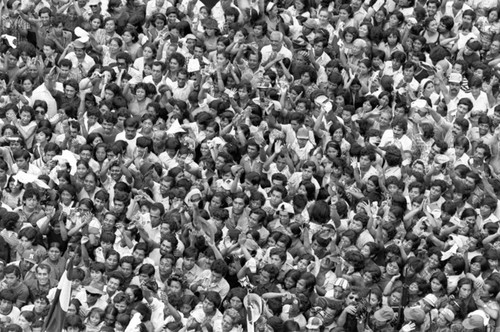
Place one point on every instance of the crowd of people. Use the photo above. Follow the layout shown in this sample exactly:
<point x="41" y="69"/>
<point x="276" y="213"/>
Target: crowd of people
<point x="283" y="166"/>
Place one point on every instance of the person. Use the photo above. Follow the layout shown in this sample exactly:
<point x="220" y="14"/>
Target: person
<point x="307" y="153"/>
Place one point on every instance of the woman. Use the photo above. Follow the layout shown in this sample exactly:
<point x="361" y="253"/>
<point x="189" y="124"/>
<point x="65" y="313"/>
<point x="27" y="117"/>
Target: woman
<point x="431" y="33"/>
<point x="158" y="28"/>
<point x="28" y="87"/>
<point x="465" y="288"/>
<point x="108" y="51"/>
<point x="439" y="285"/>
<point x="324" y="23"/>
<point x="492" y="57"/>
<point x="175" y="63"/>
<point x="210" y="36"/>
<point x="103" y="36"/>
<point x="119" y="13"/>
<point x="271" y="17"/>
<point x="234" y="300"/>
<point x="308" y="77"/>
<point x="110" y="313"/>
<point x="112" y="260"/>
<point x="83" y="221"/>
<point x="488" y="25"/>
<point x="144" y="64"/>
<point x="300" y="8"/>
<point x="90" y="186"/>
<point x="55" y="261"/>
<point x="391" y="42"/>
<point x="429" y="91"/>
<point x="132" y="46"/>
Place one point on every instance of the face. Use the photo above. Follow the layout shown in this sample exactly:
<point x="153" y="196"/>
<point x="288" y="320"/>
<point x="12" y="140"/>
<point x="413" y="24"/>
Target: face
<point x="111" y="262"/>
<point x="464" y="291"/>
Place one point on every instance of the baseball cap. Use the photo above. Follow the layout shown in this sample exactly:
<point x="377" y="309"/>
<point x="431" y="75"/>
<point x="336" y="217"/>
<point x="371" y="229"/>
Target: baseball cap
<point x="303" y="133"/>
<point x="314" y="323"/>
<point x="384" y="314"/>
<point x="415" y="314"/>
<point x="286" y="207"/>
<point x="431" y="300"/>
<point x="476" y="319"/>
<point x="448" y="314"/>
<point x="311" y="24"/>
<point x="30" y="256"/>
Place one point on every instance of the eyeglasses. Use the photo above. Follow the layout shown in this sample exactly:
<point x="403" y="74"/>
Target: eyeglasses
<point x="353" y="298"/>
<point x="39" y="112"/>
<point x="92" y="6"/>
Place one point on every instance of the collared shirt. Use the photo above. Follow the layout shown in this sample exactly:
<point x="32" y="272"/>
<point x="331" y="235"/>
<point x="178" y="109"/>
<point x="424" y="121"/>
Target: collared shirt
<point x="207" y="284"/>
<point x="268" y="50"/>
<point x="190" y="275"/>
<point x="86" y="64"/>
<point x="252" y="165"/>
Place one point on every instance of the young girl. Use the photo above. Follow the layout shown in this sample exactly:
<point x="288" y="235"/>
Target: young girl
<point x="391" y="42"/>
<point x="95" y="320"/>
<point x="13" y="193"/>
<point x="345" y="19"/>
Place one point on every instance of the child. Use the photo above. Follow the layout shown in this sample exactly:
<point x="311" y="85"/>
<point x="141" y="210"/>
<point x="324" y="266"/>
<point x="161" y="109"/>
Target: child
<point x="13" y="192"/>
<point x="27" y="125"/>
<point x="122" y="321"/>
<point x="95" y="320"/>
<point x="96" y="274"/>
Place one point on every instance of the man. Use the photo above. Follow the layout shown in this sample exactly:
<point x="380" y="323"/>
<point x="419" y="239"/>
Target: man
<point x="397" y="136"/>
<point x="82" y="62"/>
<point x="213" y="279"/>
<point x="359" y="13"/>
<point x="406" y="82"/>
<point x="456" y="10"/>
<point x="124" y="60"/>
<point x="71" y="140"/>
<point x="459" y="127"/>
<point x="42" y="283"/>
<point x="40" y="26"/>
<point x="187" y="266"/>
<point x="270" y="52"/>
<point x="256" y="219"/>
<point x="130" y="136"/>
<point x="44" y="93"/>
<point x="115" y="282"/>
<point x="253" y="160"/>
<point x="156" y="76"/>
<point x="94" y="299"/>
<point x="182" y="87"/>
<point x="238" y="216"/>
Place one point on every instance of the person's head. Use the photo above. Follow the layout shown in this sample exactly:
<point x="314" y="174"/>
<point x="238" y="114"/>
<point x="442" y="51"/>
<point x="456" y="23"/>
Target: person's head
<point x="212" y="302"/>
<point x="74" y="323"/>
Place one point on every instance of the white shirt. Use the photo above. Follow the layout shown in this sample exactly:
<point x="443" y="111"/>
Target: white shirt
<point x="389" y="139"/>
<point x="268" y="50"/>
<point x="132" y="143"/>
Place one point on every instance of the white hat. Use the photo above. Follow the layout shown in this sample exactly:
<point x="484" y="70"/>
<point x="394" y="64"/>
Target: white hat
<point x="455" y="78"/>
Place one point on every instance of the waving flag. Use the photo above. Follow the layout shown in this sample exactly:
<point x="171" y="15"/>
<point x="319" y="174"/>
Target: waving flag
<point x="59" y="308"/>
